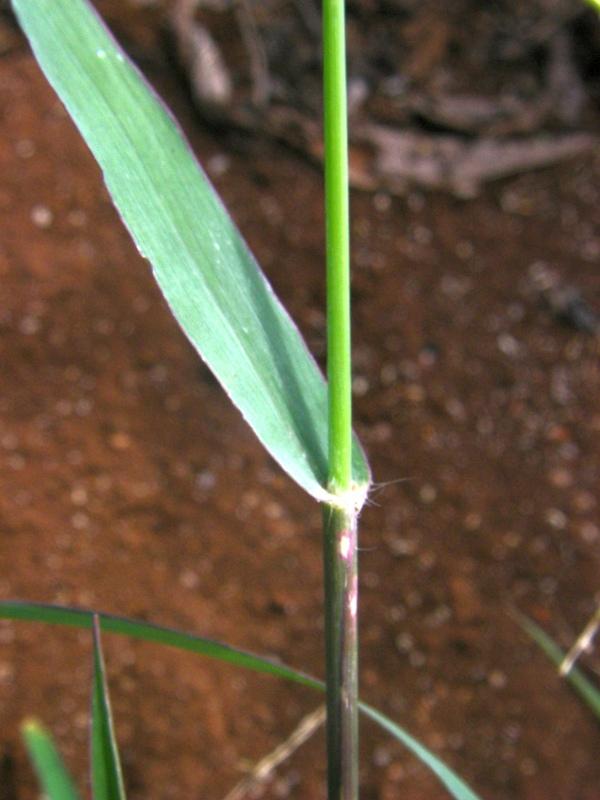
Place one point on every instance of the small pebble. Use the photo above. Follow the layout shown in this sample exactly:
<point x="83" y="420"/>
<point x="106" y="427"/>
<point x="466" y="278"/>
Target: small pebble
<point x="439" y="617"/>
<point x="417" y="659"/>
<point x="508" y="345"/>
<point x="6" y="673"/>
<point x="589" y="532"/>
<point x="41" y="216"/>
<point x="422" y="235"/>
<point x="77" y="218"/>
<point x="584" y="501"/>
<point x="528" y="767"/>
<point x="218" y="164"/>
<point x="63" y="408"/>
<point x="120" y="441"/>
<point x="548" y="585"/>
<point x="427" y="560"/>
<point x="9" y="441"/>
<point x="83" y="406"/>
<point x="30" y="325"/>
<point x="497" y="679"/>
<point x="273" y="510"/>
<point x="370" y="580"/>
<point x="25" y="148"/>
<point x="360" y="385"/>
<point x="250" y="500"/>
<point x="512" y="539"/>
<point x="382" y="756"/>
<point x="415" y="393"/>
<point x="401" y="546"/>
<point x="80" y="520"/>
<point x="382" y="202"/>
<point x="560" y="478"/>
<point x="82" y="720"/>
<point x="205" y="480"/>
<point x="16" y="461"/>
<point x="381" y="432"/>
<point x="427" y="493"/>
<point x="456" y="409"/>
<point x="189" y="579"/>
<point x="473" y="521"/>
<point x="556" y="518"/>
<point x="79" y="496"/>
<point x="464" y="250"/>
<point x="388" y="375"/>
<point x="405" y="642"/>
<point x="456" y="741"/>
<point x="140" y="305"/>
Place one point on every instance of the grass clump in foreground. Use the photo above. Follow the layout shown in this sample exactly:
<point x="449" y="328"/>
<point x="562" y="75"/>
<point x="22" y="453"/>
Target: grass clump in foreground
<point x="231" y="316"/>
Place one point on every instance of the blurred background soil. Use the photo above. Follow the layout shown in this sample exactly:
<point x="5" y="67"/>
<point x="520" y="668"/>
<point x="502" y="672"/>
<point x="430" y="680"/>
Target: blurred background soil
<point x="130" y="485"/>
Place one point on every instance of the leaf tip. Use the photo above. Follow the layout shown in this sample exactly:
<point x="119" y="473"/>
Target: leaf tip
<point x="31" y="726"/>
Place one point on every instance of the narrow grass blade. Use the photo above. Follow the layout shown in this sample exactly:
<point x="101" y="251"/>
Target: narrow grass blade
<point x="455" y="785"/>
<point x="207" y="274"/>
<point x="107" y="779"/>
<point x="52" y="774"/>
<point x="584" y="687"/>
<point x="82" y="618"/>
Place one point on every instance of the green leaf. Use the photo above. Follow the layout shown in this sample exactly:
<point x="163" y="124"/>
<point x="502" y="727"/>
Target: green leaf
<point x="81" y="618"/>
<point x="208" y="276"/>
<point x="455" y="785"/>
<point x="107" y="779"/>
<point x="54" y="779"/>
<point x="584" y="687"/>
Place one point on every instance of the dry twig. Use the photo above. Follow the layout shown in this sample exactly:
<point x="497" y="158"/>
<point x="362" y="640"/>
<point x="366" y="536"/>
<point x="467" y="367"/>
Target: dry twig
<point x="582" y="644"/>
<point x="264" y="768"/>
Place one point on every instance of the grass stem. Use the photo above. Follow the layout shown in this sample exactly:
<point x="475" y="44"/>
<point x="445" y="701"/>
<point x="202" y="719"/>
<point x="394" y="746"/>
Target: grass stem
<point x="341" y="635"/>
<point x="339" y="523"/>
<point x="338" y="247"/>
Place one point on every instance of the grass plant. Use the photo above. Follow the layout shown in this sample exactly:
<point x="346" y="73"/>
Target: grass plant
<point x="107" y="777"/>
<point x="231" y="316"/>
<point x="340" y="522"/>
<point x="145" y="631"/>
<point x="54" y="779"/>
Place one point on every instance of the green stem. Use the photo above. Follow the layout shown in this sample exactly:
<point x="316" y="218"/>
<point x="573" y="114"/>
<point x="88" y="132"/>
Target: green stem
<point x="338" y="248"/>
<point x="339" y="522"/>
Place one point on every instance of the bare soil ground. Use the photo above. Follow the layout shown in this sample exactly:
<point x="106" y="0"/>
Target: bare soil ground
<point x="130" y="485"/>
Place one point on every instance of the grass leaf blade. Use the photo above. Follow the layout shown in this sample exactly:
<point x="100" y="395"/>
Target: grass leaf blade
<point x="107" y="778"/>
<point x="52" y="774"/>
<point x="206" y="272"/>
<point x="455" y="785"/>
<point x="82" y="618"/>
